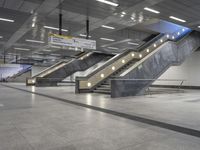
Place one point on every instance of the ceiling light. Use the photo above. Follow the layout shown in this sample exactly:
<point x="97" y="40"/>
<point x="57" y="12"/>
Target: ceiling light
<point x="131" y="43"/>
<point x="123" y="13"/>
<point x="177" y="19"/>
<point x="53" y="46"/>
<point x="83" y="35"/>
<point x="53" y="28"/>
<point x="108" y="2"/>
<point x="173" y="37"/>
<point x="7" y="20"/>
<point x="106" y="39"/>
<point x="22" y="49"/>
<point x="46" y="50"/>
<point x="167" y="35"/>
<point x="108" y="27"/>
<point x="151" y="10"/>
<point x="113" y="48"/>
<point x="34" y="41"/>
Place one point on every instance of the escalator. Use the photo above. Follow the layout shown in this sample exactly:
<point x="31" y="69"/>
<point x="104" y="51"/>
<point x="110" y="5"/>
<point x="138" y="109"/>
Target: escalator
<point x="61" y="70"/>
<point x="119" y="77"/>
<point x="20" y="76"/>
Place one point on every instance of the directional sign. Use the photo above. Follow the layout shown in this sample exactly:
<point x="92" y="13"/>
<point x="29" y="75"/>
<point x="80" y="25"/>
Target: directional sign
<point x="70" y="41"/>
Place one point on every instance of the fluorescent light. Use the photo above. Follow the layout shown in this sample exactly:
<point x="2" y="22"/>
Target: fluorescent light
<point x="151" y="10"/>
<point x="34" y="41"/>
<point x="7" y="20"/>
<point x="113" y="48"/>
<point x="53" y="28"/>
<point x="83" y="35"/>
<point x="106" y="39"/>
<point x="177" y="19"/>
<point x="53" y="46"/>
<point x="108" y="2"/>
<point x="131" y="43"/>
<point x="108" y="27"/>
<point x="46" y="50"/>
<point x="22" y="49"/>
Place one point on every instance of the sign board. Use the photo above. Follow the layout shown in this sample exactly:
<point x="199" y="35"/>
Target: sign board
<point x="56" y="39"/>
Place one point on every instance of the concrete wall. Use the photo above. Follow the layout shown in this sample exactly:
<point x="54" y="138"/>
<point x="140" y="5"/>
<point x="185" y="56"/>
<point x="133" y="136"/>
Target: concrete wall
<point x="189" y="70"/>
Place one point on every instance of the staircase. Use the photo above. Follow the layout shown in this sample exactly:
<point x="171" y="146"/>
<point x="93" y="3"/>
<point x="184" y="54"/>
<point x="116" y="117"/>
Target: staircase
<point x="105" y="87"/>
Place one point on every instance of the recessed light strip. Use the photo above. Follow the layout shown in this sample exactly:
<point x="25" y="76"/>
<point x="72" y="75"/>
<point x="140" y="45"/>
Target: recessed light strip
<point x="108" y="2"/>
<point x="7" y="20"/>
<point x="177" y="19"/>
<point x="22" y="49"/>
<point x="83" y="35"/>
<point x="113" y="48"/>
<point x="54" y="28"/>
<point x="106" y="39"/>
<point x="131" y="43"/>
<point x="34" y="41"/>
<point x="108" y="27"/>
<point x="151" y="10"/>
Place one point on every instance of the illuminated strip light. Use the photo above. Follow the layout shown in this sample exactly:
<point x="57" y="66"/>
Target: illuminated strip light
<point x="108" y="27"/>
<point x="151" y="10"/>
<point x="131" y="43"/>
<point x="177" y="19"/>
<point x="113" y="48"/>
<point x="106" y="39"/>
<point x="22" y="49"/>
<point x="34" y="41"/>
<point x="83" y="35"/>
<point x="7" y="20"/>
<point x="108" y="2"/>
<point x="53" y="28"/>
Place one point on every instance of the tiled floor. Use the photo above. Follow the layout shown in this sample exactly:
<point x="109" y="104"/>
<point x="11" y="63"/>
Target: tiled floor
<point x="29" y="121"/>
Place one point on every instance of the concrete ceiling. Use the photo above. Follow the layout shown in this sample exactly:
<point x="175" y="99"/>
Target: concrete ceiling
<point x="45" y="12"/>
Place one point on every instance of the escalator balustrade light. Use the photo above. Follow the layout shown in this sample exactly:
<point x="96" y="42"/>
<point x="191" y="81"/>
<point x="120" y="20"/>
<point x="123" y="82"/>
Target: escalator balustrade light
<point x="132" y="54"/>
<point x="167" y="35"/>
<point x="161" y="40"/>
<point x="89" y="84"/>
<point x="140" y="55"/>
<point x="102" y="75"/>
<point x="178" y="33"/>
<point x="113" y="67"/>
<point x="33" y="81"/>
<point x="123" y="61"/>
<point x="154" y="45"/>
<point x="173" y="37"/>
<point x="147" y="50"/>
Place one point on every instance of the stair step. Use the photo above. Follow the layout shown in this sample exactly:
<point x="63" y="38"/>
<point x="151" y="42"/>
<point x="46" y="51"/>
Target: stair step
<point x="102" y="91"/>
<point x="103" y="88"/>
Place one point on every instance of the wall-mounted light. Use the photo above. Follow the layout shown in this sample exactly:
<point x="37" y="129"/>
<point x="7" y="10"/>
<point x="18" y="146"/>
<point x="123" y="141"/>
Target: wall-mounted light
<point x="132" y="54"/>
<point x="89" y="84"/>
<point x="113" y="67"/>
<point x="147" y="50"/>
<point x="102" y="75"/>
<point x="140" y="55"/>
<point x="123" y="61"/>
